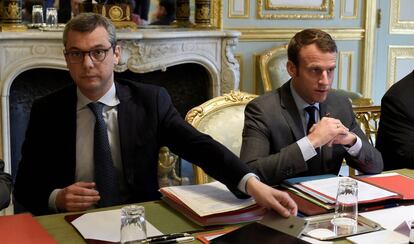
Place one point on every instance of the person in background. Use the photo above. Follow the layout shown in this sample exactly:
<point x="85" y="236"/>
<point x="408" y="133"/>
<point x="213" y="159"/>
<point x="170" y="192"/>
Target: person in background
<point x="395" y="139"/>
<point x="5" y="187"/>
<point x="165" y="13"/>
<point x="96" y="142"/>
<point x="303" y="128"/>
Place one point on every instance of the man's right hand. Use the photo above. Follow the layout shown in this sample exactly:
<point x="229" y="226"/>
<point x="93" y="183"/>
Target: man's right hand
<point x="325" y="131"/>
<point x="77" y="197"/>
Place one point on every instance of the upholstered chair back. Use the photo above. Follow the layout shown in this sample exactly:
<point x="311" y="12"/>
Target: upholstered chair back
<point x="223" y="119"/>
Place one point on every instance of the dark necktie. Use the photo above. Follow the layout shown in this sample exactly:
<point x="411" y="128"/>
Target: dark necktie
<point x="106" y="175"/>
<point x="314" y="164"/>
<point x="312" y="120"/>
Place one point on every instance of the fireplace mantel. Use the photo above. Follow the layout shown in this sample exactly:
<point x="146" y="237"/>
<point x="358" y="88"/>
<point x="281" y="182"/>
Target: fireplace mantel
<point x="142" y="51"/>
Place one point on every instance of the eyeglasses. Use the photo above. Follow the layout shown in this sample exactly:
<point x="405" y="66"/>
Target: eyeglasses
<point x="96" y="55"/>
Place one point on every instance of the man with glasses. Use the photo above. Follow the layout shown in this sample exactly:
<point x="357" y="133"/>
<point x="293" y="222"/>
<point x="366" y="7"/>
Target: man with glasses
<point x="96" y="143"/>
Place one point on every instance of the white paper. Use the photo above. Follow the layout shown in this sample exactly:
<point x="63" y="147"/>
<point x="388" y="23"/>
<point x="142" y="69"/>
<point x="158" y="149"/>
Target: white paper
<point x="382" y="236"/>
<point x="210" y="198"/>
<point x="391" y="218"/>
<point x="329" y="187"/>
<point x="105" y="226"/>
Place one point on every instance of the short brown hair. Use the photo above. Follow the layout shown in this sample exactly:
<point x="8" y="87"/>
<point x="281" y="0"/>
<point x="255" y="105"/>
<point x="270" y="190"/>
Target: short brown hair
<point x="323" y="41"/>
<point x="88" y="22"/>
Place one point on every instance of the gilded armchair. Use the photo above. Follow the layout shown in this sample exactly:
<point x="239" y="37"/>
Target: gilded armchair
<point x="223" y="119"/>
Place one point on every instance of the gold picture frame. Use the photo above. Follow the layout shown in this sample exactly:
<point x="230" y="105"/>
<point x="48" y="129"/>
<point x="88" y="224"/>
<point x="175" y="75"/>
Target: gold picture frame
<point x="321" y="7"/>
<point x="235" y="15"/>
<point x="327" y="6"/>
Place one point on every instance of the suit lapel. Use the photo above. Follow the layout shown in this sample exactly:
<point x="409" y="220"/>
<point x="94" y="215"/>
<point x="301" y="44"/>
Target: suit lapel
<point x="290" y="111"/>
<point x="130" y="122"/>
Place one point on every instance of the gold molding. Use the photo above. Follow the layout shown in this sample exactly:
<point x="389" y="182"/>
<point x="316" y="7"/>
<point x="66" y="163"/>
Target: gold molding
<point x="261" y="15"/>
<point x="394" y="53"/>
<point x="355" y="11"/>
<point x="396" y="25"/>
<point x="368" y="48"/>
<point x="232" y="15"/>
<point x="342" y="56"/>
<point x="217" y="14"/>
<point x="322" y="7"/>
<point x="255" y="73"/>
<point x="271" y="34"/>
<point x="239" y="58"/>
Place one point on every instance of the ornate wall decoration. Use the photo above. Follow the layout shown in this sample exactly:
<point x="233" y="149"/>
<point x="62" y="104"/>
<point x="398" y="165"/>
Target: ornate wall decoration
<point x="397" y="25"/>
<point x="396" y="53"/>
<point x="238" y="9"/>
<point x="274" y="9"/>
<point x="349" y="9"/>
<point x="345" y="63"/>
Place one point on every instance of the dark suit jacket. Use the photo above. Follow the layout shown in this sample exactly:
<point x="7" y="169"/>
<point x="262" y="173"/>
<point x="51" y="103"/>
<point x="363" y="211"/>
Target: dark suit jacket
<point x="273" y="125"/>
<point x="395" y="138"/>
<point x="5" y="187"/>
<point x="147" y="120"/>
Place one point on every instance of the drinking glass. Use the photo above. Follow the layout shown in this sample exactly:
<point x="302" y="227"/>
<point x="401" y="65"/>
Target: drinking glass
<point x="133" y="225"/>
<point x="51" y="17"/>
<point x="345" y="220"/>
<point x="37" y="14"/>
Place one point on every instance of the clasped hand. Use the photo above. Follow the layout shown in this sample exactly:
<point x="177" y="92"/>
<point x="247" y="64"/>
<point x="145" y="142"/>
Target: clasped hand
<point x="330" y="131"/>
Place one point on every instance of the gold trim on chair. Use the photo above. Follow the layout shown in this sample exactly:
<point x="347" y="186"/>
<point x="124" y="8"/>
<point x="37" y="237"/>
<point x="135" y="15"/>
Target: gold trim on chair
<point x="264" y="59"/>
<point x="368" y="119"/>
<point x="213" y="106"/>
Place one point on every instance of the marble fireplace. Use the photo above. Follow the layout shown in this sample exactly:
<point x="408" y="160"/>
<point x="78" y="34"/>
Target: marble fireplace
<point x="193" y="65"/>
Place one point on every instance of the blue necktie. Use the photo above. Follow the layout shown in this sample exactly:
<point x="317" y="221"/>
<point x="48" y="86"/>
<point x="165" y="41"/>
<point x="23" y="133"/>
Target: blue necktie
<point x="106" y="175"/>
<point x="312" y="120"/>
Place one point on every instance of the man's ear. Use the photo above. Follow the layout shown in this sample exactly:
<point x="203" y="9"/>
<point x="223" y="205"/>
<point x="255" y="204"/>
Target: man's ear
<point x="117" y="54"/>
<point x="291" y="68"/>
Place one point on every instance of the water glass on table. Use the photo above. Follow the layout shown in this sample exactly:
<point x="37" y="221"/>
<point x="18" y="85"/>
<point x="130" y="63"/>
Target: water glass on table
<point x="37" y="14"/>
<point x="345" y="220"/>
<point x="133" y="224"/>
<point x="51" y="17"/>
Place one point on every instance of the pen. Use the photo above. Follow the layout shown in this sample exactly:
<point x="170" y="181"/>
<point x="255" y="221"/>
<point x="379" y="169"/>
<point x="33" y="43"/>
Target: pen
<point x="175" y="240"/>
<point x="165" y="237"/>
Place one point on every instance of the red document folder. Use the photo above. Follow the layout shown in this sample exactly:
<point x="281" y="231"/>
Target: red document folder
<point x="394" y="182"/>
<point x="23" y="228"/>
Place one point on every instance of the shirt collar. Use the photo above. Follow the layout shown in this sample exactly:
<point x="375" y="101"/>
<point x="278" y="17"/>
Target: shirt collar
<point x="109" y="98"/>
<point x="300" y="103"/>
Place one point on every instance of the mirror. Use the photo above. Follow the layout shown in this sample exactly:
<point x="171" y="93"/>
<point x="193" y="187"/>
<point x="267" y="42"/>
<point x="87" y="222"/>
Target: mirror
<point x="145" y="12"/>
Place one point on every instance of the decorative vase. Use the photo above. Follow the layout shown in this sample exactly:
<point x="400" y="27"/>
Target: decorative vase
<point x="203" y="13"/>
<point x="182" y="13"/>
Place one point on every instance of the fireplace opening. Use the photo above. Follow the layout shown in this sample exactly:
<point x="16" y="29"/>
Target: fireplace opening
<point x="188" y="85"/>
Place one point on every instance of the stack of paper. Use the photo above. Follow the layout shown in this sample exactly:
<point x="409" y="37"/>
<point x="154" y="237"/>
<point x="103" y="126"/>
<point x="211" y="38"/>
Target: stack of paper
<point x="321" y="192"/>
<point x="211" y="204"/>
<point x="395" y="182"/>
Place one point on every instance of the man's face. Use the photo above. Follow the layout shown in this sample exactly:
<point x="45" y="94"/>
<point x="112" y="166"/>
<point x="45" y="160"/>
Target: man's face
<point x="312" y="78"/>
<point x="94" y="79"/>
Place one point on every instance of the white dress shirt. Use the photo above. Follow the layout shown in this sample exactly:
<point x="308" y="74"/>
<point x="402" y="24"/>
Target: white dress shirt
<point x="308" y="151"/>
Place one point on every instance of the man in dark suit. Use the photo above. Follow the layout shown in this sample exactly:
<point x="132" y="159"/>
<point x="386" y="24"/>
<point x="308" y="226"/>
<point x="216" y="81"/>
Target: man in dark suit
<point x="59" y="170"/>
<point x="283" y="138"/>
<point x="395" y="138"/>
<point x="5" y="186"/>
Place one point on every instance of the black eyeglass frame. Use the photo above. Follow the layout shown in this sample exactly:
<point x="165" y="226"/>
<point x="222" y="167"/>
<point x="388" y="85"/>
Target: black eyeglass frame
<point x="91" y="56"/>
